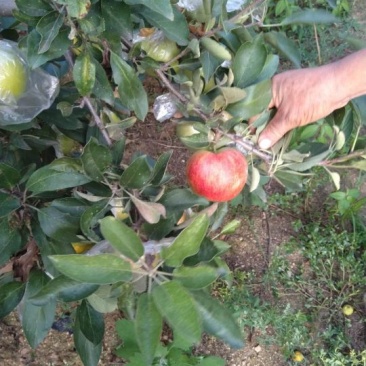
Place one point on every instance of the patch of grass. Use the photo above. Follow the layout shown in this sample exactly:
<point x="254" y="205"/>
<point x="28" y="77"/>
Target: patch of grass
<point x="308" y="281"/>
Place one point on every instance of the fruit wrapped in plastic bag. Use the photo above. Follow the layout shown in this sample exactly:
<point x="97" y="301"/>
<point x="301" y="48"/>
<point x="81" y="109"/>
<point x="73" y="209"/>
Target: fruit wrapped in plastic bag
<point x="24" y="92"/>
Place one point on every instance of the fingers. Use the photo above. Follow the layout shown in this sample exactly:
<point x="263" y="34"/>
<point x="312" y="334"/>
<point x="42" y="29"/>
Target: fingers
<point x="273" y="132"/>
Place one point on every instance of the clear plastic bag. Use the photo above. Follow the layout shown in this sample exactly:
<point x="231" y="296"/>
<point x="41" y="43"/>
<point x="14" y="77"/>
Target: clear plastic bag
<point x="24" y="92"/>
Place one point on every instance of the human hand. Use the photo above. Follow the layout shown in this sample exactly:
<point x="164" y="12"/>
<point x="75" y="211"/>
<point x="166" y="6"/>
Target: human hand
<point x="301" y="97"/>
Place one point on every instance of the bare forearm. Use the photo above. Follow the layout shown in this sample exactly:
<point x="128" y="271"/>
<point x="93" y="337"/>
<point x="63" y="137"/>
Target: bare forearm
<point x="351" y="75"/>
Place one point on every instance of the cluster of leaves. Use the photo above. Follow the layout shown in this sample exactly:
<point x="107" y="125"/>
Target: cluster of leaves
<point x="65" y="185"/>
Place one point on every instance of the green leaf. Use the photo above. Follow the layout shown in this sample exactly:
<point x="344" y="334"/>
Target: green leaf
<point x="84" y="73"/>
<point x="248" y="63"/>
<point x="8" y="204"/>
<point x="178" y="308"/>
<point x="90" y="219"/>
<point x="48" y="27"/>
<point x="126" y="331"/>
<point x="187" y="242"/>
<point x="98" y="269"/>
<point x="290" y="180"/>
<point x="137" y="174"/>
<point x="209" y="65"/>
<point x="148" y="326"/>
<point x="91" y="323"/>
<point x="58" y="48"/>
<point x="58" y="225"/>
<point x="93" y="24"/>
<point x="150" y="211"/>
<point x="10" y="295"/>
<point x="269" y="69"/>
<point x="9" y="176"/>
<point x="102" y="300"/>
<point x="122" y="238"/>
<point x="285" y="46"/>
<point x="309" y="163"/>
<point x="130" y="88"/>
<point x="76" y="8"/>
<point x="34" y="8"/>
<point x="160" y="168"/>
<point x="60" y="174"/>
<point x="177" y="29"/>
<point x="117" y="17"/>
<point x="212" y="361"/>
<point x="310" y="16"/>
<point x="63" y="287"/>
<point x="231" y="227"/>
<point x="196" y="277"/>
<point x="180" y="199"/>
<point x="88" y="351"/>
<point x="10" y="240"/>
<point x="162" y="7"/>
<point x="256" y="101"/>
<point x="217" y="320"/>
<point x="102" y="88"/>
<point x="37" y="320"/>
<point x="96" y="159"/>
<point x="206" y="253"/>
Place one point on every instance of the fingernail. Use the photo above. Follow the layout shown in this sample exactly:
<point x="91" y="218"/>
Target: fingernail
<point x="265" y="144"/>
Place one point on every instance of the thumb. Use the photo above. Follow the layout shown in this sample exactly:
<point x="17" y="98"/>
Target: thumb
<point x="276" y="129"/>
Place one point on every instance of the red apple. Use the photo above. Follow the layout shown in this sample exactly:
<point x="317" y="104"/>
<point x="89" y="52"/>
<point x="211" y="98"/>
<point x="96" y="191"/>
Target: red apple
<point x="218" y="176"/>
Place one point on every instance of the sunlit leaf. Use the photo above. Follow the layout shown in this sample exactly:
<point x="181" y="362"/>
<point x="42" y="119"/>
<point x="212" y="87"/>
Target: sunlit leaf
<point x="196" y="277"/>
<point x="122" y="238"/>
<point x="84" y="73"/>
<point x="187" y="242"/>
<point x="285" y="46"/>
<point x="248" y="63"/>
<point x="217" y="320"/>
<point x="130" y="88"/>
<point x="310" y="16"/>
<point x="98" y="269"/>
<point x="148" y="326"/>
<point x="178" y="308"/>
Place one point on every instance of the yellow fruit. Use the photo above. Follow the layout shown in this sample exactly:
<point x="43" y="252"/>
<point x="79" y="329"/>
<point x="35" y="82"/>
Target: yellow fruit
<point x="347" y="310"/>
<point x="13" y="76"/>
<point x="81" y="247"/>
<point x="297" y="356"/>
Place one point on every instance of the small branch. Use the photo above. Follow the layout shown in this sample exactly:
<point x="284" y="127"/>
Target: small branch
<point x="317" y="44"/>
<point x="180" y="96"/>
<point x="343" y="159"/>
<point x="90" y="106"/>
<point x="169" y="63"/>
<point x="249" y="146"/>
<point x="97" y="120"/>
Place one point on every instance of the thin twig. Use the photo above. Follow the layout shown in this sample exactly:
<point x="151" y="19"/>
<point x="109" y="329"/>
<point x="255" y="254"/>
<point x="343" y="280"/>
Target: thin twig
<point x="343" y="159"/>
<point x="317" y="45"/>
<point x="180" y="96"/>
<point x="168" y="64"/>
<point x="97" y="120"/>
<point x="249" y="146"/>
<point x="90" y="106"/>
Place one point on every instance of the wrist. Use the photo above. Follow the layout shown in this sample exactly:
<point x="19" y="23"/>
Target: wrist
<point x="350" y="76"/>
